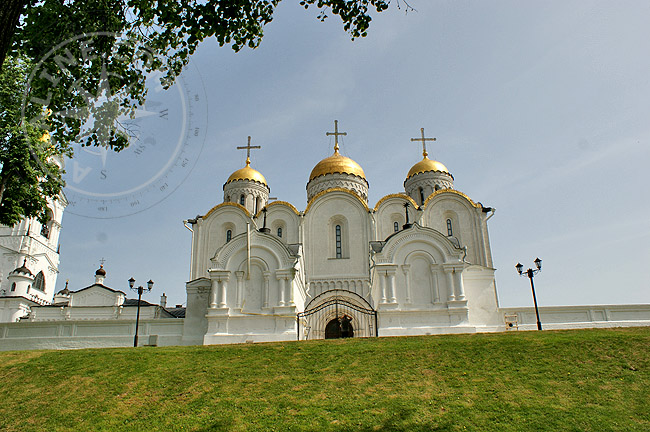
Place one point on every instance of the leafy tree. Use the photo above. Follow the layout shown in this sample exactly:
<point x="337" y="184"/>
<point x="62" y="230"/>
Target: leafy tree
<point x="28" y="172"/>
<point x="82" y="92"/>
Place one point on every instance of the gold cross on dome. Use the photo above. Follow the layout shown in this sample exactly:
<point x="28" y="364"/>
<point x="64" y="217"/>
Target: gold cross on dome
<point x="424" y="142"/>
<point x="336" y="134"/>
<point x="248" y="150"/>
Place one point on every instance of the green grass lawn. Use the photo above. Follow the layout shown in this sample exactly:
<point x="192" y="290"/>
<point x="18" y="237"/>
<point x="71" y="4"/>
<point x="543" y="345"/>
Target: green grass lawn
<point x="582" y="380"/>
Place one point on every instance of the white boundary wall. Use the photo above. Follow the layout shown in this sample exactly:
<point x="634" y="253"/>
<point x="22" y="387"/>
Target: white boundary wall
<point x="89" y="334"/>
<point x="571" y="317"/>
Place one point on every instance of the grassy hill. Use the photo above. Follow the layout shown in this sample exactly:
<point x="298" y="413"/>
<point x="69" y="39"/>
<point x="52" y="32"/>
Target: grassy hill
<point x="584" y="380"/>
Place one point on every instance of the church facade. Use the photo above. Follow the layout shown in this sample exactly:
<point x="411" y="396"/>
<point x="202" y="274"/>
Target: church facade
<point x="416" y="262"/>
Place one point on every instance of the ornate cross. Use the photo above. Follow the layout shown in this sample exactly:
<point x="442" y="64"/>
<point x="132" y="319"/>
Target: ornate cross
<point x="102" y="261"/>
<point x="248" y="150"/>
<point x="424" y="142"/>
<point x="336" y="134"/>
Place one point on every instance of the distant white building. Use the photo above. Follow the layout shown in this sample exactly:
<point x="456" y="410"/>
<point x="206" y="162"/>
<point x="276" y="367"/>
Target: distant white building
<point x="29" y="264"/>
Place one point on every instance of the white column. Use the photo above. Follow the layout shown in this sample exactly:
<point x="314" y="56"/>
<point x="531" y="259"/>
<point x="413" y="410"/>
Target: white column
<point x="450" y="283"/>
<point x="240" y="287"/>
<point x="281" y="290"/>
<point x="435" y="286"/>
<point x="406" y="269"/>
<point x="267" y="276"/>
<point x="382" y="278"/>
<point x="223" y="301"/>
<point x="459" y="289"/>
<point x="213" y="293"/>
<point x="391" y="286"/>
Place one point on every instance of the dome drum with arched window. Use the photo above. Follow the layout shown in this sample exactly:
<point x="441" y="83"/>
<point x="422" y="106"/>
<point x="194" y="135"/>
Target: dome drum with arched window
<point x="247" y="187"/>
<point x="427" y="177"/>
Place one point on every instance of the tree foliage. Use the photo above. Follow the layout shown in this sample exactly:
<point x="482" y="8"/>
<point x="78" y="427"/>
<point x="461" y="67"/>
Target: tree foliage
<point x="28" y="172"/>
<point x="89" y="62"/>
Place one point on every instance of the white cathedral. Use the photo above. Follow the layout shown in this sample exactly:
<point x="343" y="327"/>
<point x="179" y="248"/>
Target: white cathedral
<point x="417" y="263"/>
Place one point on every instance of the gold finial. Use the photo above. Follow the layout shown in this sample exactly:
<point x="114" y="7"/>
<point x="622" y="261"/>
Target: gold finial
<point x="248" y="150"/>
<point x="336" y="134"/>
<point x="424" y="142"/>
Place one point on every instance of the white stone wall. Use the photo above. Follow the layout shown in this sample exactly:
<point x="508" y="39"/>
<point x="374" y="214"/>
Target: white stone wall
<point x="89" y="334"/>
<point x="567" y="317"/>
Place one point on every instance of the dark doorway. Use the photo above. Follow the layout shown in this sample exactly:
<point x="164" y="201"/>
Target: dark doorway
<point x="339" y="328"/>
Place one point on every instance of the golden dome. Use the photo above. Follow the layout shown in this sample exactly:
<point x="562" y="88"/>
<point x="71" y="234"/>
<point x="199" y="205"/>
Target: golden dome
<point x="247" y="173"/>
<point x="426" y="165"/>
<point x="337" y="164"/>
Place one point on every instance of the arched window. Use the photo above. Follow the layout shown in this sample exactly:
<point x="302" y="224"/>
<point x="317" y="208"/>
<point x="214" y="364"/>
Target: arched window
<point x="228" y="235"/>
<point x="396" y="226"/>
<point x="242" y="200"/>
<point x="228" y="198"/>
<point x="13" y="286"/>
<point x="45" y="228"/>
<point x="339" y="251"/>
<point x="39" y="282"/>
<point x="421" y="196"/>
<point x="437" y="188"/>
<point x="450" y="231"/>
<point x="279" y="232"/>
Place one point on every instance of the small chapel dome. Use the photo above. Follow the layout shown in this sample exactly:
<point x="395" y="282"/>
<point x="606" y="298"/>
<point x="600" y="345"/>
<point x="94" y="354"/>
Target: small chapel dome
<point x="337" y="164"/>
<point x="247" y="173"/>
<point x="426" y="165"/>
<point x="23" y="269"/>
<point x="100" y="271"/>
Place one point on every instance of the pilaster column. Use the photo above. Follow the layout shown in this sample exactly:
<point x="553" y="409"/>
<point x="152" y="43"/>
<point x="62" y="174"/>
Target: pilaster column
<point x="240" y="288"/>
<point x="213" y="293"/>
<point x="391" y="285"/>
<point x="449" y="277"/>
<point x="459" y="289"/>
<point x="289" y="286"/>
<point x="267" y="276"/>
<point x="219" y="293"/>
<point x="435" y="286"/>
<point x="281" y="289"/>
<point x="406" y="269"/>
<point x="382" y="282"/>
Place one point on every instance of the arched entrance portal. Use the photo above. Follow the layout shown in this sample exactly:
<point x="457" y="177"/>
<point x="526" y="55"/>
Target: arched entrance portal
<point x="340" y="327"/>
<point x="337" y="314"/>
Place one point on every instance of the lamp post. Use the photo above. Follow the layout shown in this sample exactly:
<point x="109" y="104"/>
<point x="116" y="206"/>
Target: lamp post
<point x="139" y="290"/>
<point x="531" y="273"/>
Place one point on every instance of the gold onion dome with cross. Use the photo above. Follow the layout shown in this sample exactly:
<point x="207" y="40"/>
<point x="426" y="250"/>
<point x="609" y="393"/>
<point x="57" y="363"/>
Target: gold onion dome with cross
<point x="247" y="173"/>
<point x="426" y="164"/>
<point x="337" y="163"/>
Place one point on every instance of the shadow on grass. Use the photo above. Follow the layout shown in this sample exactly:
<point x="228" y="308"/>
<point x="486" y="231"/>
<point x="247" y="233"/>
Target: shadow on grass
<point x="401" y="420"/>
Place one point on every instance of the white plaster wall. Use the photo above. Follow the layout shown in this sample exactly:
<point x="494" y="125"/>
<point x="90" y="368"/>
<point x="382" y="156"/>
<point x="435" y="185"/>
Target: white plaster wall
<point x="88" y="334"/>
<point x="566" y="317"/>
<point x="319" y="241"/>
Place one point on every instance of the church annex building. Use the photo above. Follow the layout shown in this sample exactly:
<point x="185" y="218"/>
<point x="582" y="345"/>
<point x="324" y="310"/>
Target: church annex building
<point x="415" y="263"/>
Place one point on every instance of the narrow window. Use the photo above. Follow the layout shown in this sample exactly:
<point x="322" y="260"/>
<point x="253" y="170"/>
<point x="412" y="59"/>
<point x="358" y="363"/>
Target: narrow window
<point x="396" y="226"/>
<point x="242" y="200"/>
<point x="228" y="236"/>
<point x="339" y="253"/>
<point x="13" y="286"/>
<point x="421" y="196"/>
<point x="228" y="199"/>
<point x="450" y="231"/>
<point x="437" y="188"/>
<point x="279" y="232"/>
<point x="39" y="282"/>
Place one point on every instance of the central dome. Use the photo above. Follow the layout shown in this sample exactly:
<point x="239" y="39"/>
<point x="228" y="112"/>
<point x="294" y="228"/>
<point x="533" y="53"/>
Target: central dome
<point x="247" y="173"/>
<point x="337" y="164"/>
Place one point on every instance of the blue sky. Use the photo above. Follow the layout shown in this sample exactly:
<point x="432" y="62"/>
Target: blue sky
<point x="541" y="110"/>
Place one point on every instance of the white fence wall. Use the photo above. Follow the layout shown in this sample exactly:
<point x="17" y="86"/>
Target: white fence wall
<point x="89" y="334"/>
<point x="568" y="317"/>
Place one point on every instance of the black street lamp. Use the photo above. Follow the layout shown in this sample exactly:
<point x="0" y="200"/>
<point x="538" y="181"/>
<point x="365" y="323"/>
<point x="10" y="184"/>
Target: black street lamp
<point x="531" y="273"/>
<point x="139" y="290"/>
